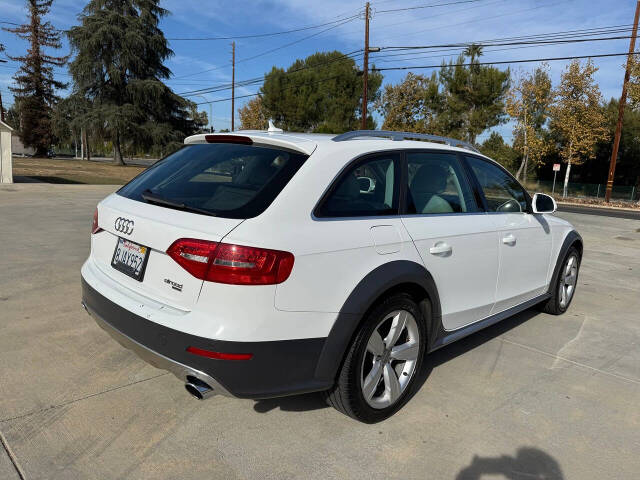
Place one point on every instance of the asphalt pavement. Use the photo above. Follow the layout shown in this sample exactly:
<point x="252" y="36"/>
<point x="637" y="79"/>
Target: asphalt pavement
<point x="533" y="397"/>
<point x="601" y="211"/>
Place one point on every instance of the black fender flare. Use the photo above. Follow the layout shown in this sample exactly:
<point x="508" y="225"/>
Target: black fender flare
<point x="571" y="239"/>
<point x="366" y="294"/>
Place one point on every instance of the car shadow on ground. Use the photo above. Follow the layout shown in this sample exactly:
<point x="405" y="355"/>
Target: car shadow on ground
<point x="528" y="463"/>
<point x="314" y="401"/>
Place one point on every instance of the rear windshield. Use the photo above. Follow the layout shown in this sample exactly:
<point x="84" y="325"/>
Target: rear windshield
<point x="225" y="180"/>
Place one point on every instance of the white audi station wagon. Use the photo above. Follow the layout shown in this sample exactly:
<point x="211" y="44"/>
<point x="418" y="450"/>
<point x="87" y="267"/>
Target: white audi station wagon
<point x="260" y="263"/>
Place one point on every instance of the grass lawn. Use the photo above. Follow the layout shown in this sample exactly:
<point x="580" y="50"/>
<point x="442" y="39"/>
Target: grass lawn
<point x="55" y="170"/>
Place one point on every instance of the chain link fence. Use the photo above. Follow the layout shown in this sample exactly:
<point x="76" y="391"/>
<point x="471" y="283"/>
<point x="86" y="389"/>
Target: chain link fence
<point x="585" y="190"/>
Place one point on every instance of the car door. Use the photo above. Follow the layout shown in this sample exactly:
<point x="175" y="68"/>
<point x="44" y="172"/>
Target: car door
<point x="524" y="239"/>
<point x="454" y="237"/>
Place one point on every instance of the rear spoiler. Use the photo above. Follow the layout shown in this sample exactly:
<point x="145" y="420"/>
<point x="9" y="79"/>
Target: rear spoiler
<point x="288" y="142"/>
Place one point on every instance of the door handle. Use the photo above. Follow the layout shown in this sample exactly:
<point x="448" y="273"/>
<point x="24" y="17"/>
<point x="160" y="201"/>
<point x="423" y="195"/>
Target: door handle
<point x="509" y="239"/>
<point x="440" y="248"/>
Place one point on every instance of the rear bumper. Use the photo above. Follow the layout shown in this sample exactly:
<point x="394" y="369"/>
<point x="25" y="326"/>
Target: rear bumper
<point x="277" y="368"/>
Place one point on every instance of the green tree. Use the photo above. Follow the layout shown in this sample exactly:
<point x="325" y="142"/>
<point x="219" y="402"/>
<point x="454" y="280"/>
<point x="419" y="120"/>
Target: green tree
<point x="35" y="90"/>
<point x="528" y="102"/>
<point x="495" y="148"/>
<point x="596" y="169"/>
<point x="577" y="117"/>
<point x="474" y="96"/>
<point x="322" y="93"/>
<point x="119" y="67"/>
<point x="412" y="105"/>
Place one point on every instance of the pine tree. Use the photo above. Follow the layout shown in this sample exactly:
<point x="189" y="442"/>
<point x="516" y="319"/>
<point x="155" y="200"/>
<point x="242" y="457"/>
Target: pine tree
<point x="474" y="96"/>
<point x="35" y="93"/>
<point x="119" y="67"/>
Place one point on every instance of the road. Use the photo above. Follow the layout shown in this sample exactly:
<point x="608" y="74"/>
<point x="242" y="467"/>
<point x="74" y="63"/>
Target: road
<point x="601" y="211"/>
<point x="535" y="396"/>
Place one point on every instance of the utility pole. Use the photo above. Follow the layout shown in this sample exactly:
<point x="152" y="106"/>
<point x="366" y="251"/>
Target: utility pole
<point x="233" y="82"/>
<point x="365" y="76"/>
<point x="1" y="109"/>
<point x="623" y="100"/>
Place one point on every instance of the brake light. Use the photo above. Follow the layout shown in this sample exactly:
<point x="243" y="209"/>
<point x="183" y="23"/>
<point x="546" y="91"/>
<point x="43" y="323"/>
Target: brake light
<point x="240" y="139"/>
<point x="231" y="264"/>
<point x="94" y="224"/>
<point x="219" y="355"/>
<point x="194" y="256"/>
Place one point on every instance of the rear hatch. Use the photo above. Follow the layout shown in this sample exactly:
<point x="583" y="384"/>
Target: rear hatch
<point x="155" y="228"/>
<point x="202" y="192"/>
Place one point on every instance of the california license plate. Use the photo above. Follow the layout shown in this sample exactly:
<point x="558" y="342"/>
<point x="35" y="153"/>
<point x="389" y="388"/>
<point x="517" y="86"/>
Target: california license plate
<point x="130" y="258"/>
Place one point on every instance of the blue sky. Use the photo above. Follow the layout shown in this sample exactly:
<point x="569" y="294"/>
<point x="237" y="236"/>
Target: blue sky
<point x="200" y="64"/>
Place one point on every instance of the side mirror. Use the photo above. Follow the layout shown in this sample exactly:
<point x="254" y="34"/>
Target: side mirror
<point x="543" y="203"/>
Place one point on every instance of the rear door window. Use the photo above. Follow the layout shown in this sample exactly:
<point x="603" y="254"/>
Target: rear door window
<point x="437" y="184"/>
<point x="226" y="180"/>
<point x="366" y="189"/>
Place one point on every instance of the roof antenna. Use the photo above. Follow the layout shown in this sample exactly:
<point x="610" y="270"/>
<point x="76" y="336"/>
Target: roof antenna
<point x="273" y="129"/>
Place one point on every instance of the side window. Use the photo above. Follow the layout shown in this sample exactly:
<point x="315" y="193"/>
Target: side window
<point x="437" y="184"/>
<point x="366" y="189"/>
<point x="502" y="192"/>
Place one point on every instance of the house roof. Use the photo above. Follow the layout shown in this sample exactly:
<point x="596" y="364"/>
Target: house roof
<point x="4" y="126"/>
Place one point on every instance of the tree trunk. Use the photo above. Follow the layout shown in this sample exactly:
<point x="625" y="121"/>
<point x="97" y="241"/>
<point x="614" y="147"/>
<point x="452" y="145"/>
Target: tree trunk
<point x="566" y="179"/>
<point x="117" y="153"/>
<point x="83" y="140"/>
<point x="87" y="146"/>
<point x="566" y="175"/>
<point x="521" y="168"/>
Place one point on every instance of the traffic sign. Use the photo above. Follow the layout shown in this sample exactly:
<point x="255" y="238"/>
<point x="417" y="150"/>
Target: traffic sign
<point x="556" y="167"/>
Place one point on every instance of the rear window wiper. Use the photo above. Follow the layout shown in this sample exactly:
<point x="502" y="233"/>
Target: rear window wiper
<point x="151" y="197"/>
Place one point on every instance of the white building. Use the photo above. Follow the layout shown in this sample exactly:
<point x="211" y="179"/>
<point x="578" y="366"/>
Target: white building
<point x="6" y="164"/>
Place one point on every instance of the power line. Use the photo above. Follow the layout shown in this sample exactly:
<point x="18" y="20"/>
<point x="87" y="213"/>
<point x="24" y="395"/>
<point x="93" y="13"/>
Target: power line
<point x="258" y="35"/>
<point x="502" y="44"/>
<point x="433" y="5"/>
<point x="256" y="80"/>
<point x="492" y="17"/>
<point x="267" y="52"/>
<point x="322" y="80"/>
<point x="548" y="59"/>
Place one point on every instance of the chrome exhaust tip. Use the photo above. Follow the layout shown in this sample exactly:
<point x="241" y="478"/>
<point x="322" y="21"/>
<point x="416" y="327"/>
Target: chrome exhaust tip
<point x="198" y="389"/>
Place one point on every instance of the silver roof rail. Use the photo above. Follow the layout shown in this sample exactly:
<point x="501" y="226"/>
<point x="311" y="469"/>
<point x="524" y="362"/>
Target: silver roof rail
<point x="397" y="136"/>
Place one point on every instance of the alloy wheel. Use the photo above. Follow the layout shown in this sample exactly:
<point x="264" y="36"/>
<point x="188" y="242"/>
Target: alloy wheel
<point x="568" y="281"/>
<point x="390" y="360"/>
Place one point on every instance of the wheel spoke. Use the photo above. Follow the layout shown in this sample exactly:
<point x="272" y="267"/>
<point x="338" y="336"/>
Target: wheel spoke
<point x="406" y="351"/>
<point x="373" y="378"/>
<point x="391" y="384"/>
<point x="375" y="345"/>
<point x="563" y="295"/>
<point x="399" y="322"/>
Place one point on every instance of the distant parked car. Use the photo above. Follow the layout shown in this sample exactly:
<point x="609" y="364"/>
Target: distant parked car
<point x="255" y="264"/>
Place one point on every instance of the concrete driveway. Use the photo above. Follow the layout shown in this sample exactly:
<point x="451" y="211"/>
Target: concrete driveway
<point x="535" y="396"/>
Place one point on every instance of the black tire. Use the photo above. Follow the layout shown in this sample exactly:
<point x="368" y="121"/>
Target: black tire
<point x="554" y="305"/>
<point x="347" y="396"/>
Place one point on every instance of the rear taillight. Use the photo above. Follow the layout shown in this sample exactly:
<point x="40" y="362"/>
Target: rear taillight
<point x="194" y="256"/>
<point x="94" y="224"/>
<point x="233" y="264"/>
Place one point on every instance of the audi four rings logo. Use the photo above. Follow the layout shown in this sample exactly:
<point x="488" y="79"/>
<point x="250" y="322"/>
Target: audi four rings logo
<point x="124" y="225"/>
